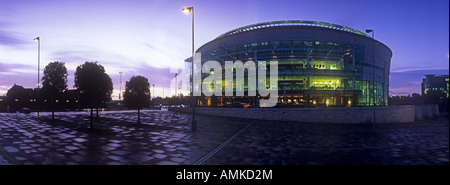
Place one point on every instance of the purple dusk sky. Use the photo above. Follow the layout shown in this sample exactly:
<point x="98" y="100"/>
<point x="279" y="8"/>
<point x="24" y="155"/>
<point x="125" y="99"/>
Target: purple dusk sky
<point x="148" y="37"/>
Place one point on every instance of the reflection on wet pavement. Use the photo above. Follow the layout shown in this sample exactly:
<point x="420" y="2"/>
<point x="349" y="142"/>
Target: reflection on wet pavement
<point x="165" y="138"/>
<point x="161" y="138"/>
<point x="289" y="143"/>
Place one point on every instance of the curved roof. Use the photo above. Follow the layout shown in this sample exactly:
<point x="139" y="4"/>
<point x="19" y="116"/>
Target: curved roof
<point x="291" y="23"/>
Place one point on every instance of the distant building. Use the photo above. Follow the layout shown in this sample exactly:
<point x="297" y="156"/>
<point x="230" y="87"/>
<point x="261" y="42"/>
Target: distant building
<point x="19" y="98"/>
<point x="320" y="64"/>
<point x="435" y="90"/>
<point x="435" y="84"/>
<point x="2" y="103"/>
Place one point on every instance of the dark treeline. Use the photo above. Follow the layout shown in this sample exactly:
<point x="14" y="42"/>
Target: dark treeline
<point x="93" y="89"/>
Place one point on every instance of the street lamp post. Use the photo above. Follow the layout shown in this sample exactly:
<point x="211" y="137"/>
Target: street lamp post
<point x="176" y="85"/>
<point x="120" y="89"/>
<point x="373" y="76"/>
<point x="194" y="122"/>
<point x="39" y="63"/>
<point x="284" y="87"/>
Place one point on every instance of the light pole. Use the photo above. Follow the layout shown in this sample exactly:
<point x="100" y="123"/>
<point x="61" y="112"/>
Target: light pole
<point x="284" y="88"/>
<point x="39" y="63"/>
<point x="373" y="76"/>
<point x="194" y="122"/>
<point x="176" y="85"/>
<point x="120" y="91"/>
<point x="153" y="91"/>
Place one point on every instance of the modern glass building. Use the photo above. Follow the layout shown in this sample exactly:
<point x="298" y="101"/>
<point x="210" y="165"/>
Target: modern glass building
<point x="319" y="64"/>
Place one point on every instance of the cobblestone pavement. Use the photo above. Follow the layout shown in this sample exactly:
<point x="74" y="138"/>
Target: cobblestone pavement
<point x="164" y="138"/>
<point x="288" y="143"/>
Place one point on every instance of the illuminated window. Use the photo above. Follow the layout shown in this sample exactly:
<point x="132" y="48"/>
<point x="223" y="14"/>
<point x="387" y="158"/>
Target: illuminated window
<point x="308" y="43"/>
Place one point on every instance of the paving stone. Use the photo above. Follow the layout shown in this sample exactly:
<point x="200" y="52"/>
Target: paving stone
<point x="11" y="149"/>
<point x="114" y="157"/>
<point x="140" y="157"/>
<point x="159" y="156"/>
<point x="72" y="147"/>
<point x="114" y="163"/>
<point x="71" y="163"/>
<point x="167" y="163"/>
<point x="120" y="152"/>
<point x="158" y="151"/>
<point x="80" y="140"/>
<point x="178" y="160"/>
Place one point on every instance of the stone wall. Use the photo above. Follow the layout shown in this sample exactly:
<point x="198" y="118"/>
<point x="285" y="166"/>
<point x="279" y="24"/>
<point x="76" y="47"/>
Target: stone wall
<point x="388" y="114"/>
<point x="426" y="111"/>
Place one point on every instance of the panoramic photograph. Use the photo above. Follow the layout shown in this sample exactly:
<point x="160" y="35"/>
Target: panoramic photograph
<point x="224" y="84"/>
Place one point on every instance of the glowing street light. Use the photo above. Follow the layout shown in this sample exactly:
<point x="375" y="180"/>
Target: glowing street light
<point x="187" y="10"/>
<point x="194" y="122"/>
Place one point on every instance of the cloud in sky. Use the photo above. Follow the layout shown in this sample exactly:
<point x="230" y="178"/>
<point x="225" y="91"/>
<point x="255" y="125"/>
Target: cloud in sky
<point x="10" y="39"/>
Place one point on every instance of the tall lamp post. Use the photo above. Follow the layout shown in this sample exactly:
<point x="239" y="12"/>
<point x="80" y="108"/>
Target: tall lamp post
<point x="39" y="63"/>
<point x="373" y="75"/>
<point x="153" y="91"/>
<point x="284" y="88"/>
<point x="120" y="89"/>
<point x="194" y="122"/>
<point x="176" y="85"/>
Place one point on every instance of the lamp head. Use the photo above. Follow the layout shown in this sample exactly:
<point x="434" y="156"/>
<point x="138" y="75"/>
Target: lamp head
<point x="36" y="39"/>
<point x="187" y="10"/>
<point x="369" y="30"/>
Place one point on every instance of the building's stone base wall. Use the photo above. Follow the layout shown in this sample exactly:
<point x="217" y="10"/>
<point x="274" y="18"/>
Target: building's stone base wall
<point x="426" y="111"/>
<point x="388" y="114"/>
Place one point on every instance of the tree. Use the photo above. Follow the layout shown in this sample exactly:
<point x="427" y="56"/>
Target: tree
<point x="54" y="81"/>
<point x="94" y="85"/>
<point x="137" y="94"/>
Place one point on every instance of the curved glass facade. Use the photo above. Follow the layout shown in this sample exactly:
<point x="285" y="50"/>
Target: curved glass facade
<point x="311" y="73"/>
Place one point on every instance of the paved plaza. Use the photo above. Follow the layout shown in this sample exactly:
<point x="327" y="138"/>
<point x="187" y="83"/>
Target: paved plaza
<point x="165" y="138"/>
